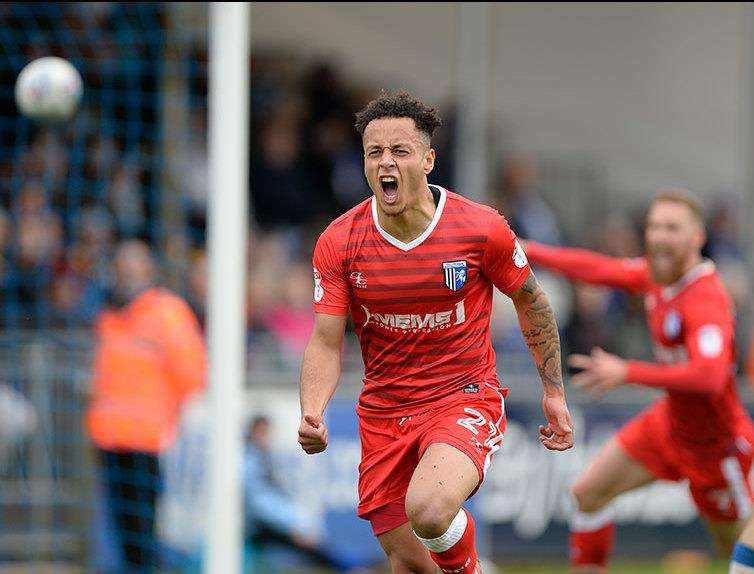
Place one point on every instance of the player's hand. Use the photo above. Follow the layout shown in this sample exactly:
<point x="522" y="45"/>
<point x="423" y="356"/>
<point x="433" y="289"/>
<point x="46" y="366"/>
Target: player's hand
<point x="558" y="434"/>
<point x="312" y="434"/>
<point x="600" y="371"/>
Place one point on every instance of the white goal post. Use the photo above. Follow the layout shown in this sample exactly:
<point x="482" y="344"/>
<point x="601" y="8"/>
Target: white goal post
<point x="229" y="38"/>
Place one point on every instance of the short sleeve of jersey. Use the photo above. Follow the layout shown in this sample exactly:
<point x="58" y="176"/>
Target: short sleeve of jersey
<point x="504" y="261"/>
<point x="708" y="326"/>
<point x="331" y="290"/>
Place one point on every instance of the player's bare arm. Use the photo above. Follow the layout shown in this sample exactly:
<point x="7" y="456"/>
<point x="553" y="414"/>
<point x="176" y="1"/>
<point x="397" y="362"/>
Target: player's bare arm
<point x="320" y="372"/>
<point x="540" y="331"/>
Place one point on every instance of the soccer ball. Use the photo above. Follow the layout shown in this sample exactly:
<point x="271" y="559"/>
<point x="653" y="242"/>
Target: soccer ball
<point x="49" y="90"/>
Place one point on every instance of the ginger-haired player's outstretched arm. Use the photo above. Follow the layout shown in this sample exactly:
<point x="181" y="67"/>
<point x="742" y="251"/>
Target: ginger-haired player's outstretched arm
<point x="591" y="267"/>
<point x="320" y="373"/>
<point x="709" y="342"/>
<point x="540" y="331"/>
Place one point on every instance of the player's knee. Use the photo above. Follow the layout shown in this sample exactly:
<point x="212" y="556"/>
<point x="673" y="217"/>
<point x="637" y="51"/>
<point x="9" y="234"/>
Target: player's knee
<point x="588" y="499"/>
<point x="430" y="516"/>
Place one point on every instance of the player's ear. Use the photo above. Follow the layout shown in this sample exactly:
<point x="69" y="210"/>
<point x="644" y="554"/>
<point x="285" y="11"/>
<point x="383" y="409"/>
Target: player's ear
<point x="429" y="161"/>
<point x="702" y="236"/>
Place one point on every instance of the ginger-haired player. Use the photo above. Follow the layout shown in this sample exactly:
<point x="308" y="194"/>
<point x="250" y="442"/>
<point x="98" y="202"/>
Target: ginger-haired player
<point x="698" y="430"/>
<point x="415" y="265"/>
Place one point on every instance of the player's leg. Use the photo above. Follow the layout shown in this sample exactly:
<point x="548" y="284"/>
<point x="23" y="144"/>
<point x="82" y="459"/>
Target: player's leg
<point x="724" y="535"/>
<point x="742" y="560"/>
<point x="405" y="553"/>
<point x="444" y="478"/>
<point x="723" y="495"/>
<point x="612" y="473"/>
<point x="390" y="453"/>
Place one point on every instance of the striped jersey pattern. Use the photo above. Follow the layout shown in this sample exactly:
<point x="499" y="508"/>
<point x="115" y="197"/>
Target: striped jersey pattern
<point x="421" y="310"/>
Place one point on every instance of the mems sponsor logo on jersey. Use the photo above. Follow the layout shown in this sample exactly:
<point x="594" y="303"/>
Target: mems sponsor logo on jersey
<point x="409" y="322"/>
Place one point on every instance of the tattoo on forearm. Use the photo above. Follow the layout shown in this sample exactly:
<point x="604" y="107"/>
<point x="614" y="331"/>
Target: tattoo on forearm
<point x="540" y="331"/>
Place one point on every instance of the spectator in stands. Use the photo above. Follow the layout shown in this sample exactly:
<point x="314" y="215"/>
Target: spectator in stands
<point x="149" y="359"/>
<point x="290" y="319"/>
<point x="198" y="283"/>
<point x="126" y="203"/>
<point x="325" y="91"/>
<point x="339" y="162"/>
<point x="18" y="421"/>
<point x="38" y="245"/>
<point x="724" y="247"/>
<point x="5" y="267"/>
<point x="596" y="310"/>
<point x="279" y="177"/>
<point x="588" y="328"/>
<point x="528" y="213"/>
<point x="94" y="244"/>
<point x="724" y="236"/>
<point x="80" y="283"/>
<point x="269" y="258"/>
<point x="194" y="176"/>
<point x="272" y="516"/>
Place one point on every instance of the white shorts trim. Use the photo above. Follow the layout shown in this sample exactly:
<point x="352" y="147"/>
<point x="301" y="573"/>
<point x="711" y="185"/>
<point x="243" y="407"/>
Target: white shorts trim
<point x="495" y="440"/>
<point x="734" y="476"/>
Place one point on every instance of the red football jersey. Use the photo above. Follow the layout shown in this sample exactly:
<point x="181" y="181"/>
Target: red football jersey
<point x="693" y="331"/>
<point x="421" y="310"/>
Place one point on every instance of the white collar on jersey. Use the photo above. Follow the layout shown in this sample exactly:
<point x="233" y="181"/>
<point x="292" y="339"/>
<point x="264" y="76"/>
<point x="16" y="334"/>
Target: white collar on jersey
<point x="706" y="267"/>
<point x="419" y="240"/>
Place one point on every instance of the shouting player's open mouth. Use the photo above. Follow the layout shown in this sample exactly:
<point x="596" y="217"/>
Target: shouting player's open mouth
<point x="389" y="186"/>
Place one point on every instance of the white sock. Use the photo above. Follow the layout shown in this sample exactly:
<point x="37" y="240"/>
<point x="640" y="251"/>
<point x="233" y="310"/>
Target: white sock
<point x="451" y="536"/>
<point x="590" y="521"/>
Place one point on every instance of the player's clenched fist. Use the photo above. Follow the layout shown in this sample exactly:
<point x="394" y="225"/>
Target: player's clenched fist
<point x="312" y="434"/>
<point x="558" y="434"/>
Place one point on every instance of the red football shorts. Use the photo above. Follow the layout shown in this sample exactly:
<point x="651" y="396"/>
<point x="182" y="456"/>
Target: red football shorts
<point x="718" y="482"/>
<point x="392" y="447"/>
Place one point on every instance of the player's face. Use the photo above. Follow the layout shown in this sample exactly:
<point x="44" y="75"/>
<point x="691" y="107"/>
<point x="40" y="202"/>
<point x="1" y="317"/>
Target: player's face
<point x="397" y="159"/>
<point x="674" y="239"/>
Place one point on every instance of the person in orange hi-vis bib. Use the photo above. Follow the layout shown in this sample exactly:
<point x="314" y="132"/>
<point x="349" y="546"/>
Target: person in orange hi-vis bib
<point x="149" y="358"/>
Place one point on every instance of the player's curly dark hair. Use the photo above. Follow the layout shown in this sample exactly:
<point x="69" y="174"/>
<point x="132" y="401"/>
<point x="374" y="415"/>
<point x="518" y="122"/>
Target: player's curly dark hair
<point x="399" y="105"/>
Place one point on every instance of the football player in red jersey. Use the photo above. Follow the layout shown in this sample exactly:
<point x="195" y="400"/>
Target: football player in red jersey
<point x="699" y="430"/>
<point x="415" y="265"/>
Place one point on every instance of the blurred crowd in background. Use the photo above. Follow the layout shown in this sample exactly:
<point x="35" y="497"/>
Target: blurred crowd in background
<point x="70" y="194"/>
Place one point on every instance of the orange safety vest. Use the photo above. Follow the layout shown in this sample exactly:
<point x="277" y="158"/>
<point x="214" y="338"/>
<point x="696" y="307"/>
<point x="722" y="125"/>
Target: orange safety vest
<point x="150" y="357"/>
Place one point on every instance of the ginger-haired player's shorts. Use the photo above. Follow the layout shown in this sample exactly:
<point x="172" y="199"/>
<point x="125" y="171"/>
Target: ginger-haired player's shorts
<point x="392" y="447"/>
<point x="717" y="480"/>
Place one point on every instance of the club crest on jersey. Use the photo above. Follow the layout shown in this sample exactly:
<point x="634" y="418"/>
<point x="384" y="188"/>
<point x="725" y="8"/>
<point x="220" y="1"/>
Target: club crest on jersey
<point x="456" y="273"/>
<point x="672" y="325"/>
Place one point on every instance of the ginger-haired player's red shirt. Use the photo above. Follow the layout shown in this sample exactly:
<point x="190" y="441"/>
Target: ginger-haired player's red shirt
<point x="421" y="310"/>
<point x="692" y="327"/>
